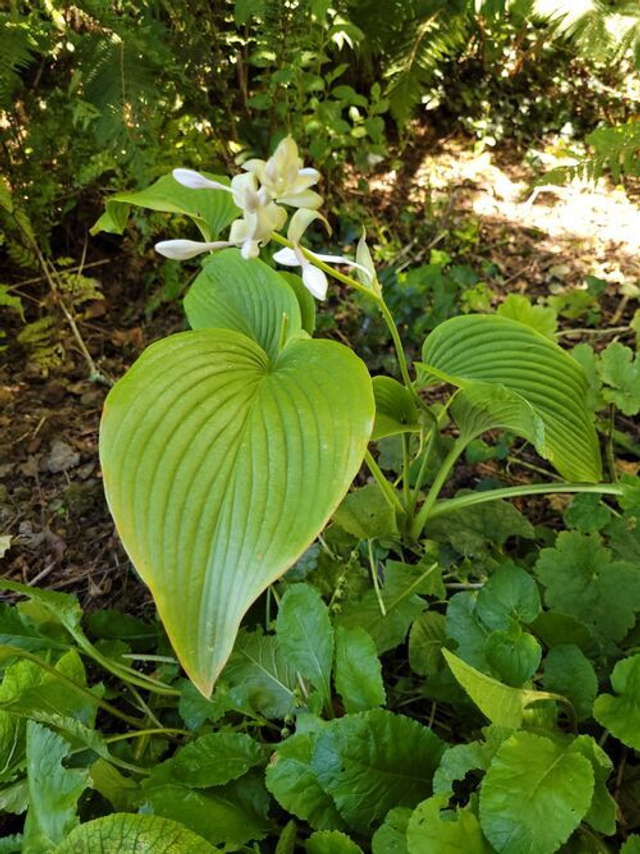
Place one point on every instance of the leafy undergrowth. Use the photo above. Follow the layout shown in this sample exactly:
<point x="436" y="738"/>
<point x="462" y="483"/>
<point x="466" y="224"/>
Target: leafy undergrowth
<point x="482" y="696"/>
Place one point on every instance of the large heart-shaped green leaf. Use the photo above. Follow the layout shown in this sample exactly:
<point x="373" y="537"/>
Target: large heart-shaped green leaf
<point x="496" y="350"/>
<point x="210" y="210"/>
<point x="221" y="466"/>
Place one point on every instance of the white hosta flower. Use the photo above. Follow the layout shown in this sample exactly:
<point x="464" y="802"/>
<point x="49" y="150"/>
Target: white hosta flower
<point x="244" y="188"/>
<point x="284" y="177"/>
<point x="182" y="250"/>
<point x="314" y="279"/>
<point x="256" y="227"/>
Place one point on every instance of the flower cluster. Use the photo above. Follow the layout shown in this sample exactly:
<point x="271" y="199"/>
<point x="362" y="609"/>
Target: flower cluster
<point x="259" y="192"/>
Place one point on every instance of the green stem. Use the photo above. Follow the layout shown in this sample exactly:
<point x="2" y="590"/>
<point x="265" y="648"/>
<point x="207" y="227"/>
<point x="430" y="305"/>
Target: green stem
<point x="447" y="464"/>
<point x="472" y="498"/>
<point x="154" y="731"/>
<point x="387" y="490"/>
<point x="406" y="471"/>
<point x="127" y="674"/>
<point x="377" y="298"/>
<point x="376" y="581"/>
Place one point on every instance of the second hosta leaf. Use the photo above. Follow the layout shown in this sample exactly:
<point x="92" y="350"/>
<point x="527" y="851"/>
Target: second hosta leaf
<point x="221" y="466"/>
<point x="488" y="349"/>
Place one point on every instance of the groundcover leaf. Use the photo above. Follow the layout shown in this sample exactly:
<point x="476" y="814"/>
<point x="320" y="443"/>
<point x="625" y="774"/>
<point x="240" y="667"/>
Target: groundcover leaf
<point x="619" y="368"/>
<point x="221" y="466"/>
<point x="365" y="513"/>
<point x="358" y="673"/>
<point x="426" y="639"/>
<point x="509" y="594"/>
<point x="259" y="674"/>
<point x="391" y="836"/>
<point x="123" y="833"/>
<point x="373" y="761"/>
<point x="428" y="833"/>
<point x="211" y="760"/>
<point x="331" y="842"/>
<point x="584" y="582"/>
<point x="53" y="790"/>
<point x="621" y="714"/>
<point x="293" y="781"/>
<point x="233" y="814"/>
<point x="569" y="672"/>
<point x="305" y="636"/>
<point x="534" y="795"/>
<point x="498" y="350"/>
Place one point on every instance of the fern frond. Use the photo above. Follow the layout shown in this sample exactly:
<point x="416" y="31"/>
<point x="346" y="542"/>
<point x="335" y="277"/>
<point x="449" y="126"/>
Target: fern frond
<point x="430" y="40"/>
<point x="616" y="148"/>
<point x="16" y="54"/>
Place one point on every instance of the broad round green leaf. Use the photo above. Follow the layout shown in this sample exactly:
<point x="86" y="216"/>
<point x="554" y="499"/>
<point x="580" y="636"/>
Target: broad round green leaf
<point x="496" y="350"/>
<point x="124" y="833"/>
<point x="221" y="467"/>
<point x="534" y="795"/>
<point x="257" y="309"/>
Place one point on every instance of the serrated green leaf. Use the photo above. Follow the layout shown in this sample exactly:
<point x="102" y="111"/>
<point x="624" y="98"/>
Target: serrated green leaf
<point x="366" y="514"/>
<point x="53" y="790"/>
<point x="539" y="317"/>
<point x="631" y="846"/>
<point x="396" y="411"/>
<point x="234" y="814"/>
<point x="426" y="639"/>
<point x="587" y="513"/>
<point x="470" y="529"/>
<point x="122" y="792"/>
<point x="61" y="606"/>
<point x="374" y="761"/>
<point x="457" y="833"/>
<point x="488" y="348"/>
<point x="502" y="704"/>
<point x="331" y="842"/>
<point x="620" y="370"/>
<point x="221" y="467"/>
<point x="213" y="759"/>
<point x="358" y="673"/>
<point x="620" y="713"/>
<point x="210" y="210"/>
<point x="584" y="582"/>
<point x="11" y="844"/>
<point x="534" y="795"/>
<point x="259" y="674"/>
<point x="305" y="636"/>
<point x="123" y="833"/>
<point x="569" y="672"/>
<point x="293" y="781"/>
<point x="258" y="309"/>
<point x="457" y="761"/>
<point x="391" y="836"/>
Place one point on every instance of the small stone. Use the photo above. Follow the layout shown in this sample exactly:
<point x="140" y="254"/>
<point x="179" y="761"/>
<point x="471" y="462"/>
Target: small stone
<point x="62" y="457"/>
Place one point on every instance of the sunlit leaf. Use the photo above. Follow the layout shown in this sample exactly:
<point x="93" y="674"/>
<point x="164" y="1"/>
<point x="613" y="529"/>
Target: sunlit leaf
<point x="496" y="350"/>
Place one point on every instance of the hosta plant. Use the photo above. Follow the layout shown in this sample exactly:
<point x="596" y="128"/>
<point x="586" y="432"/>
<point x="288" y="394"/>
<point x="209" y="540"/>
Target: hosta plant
<point x="226" y="449"/>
